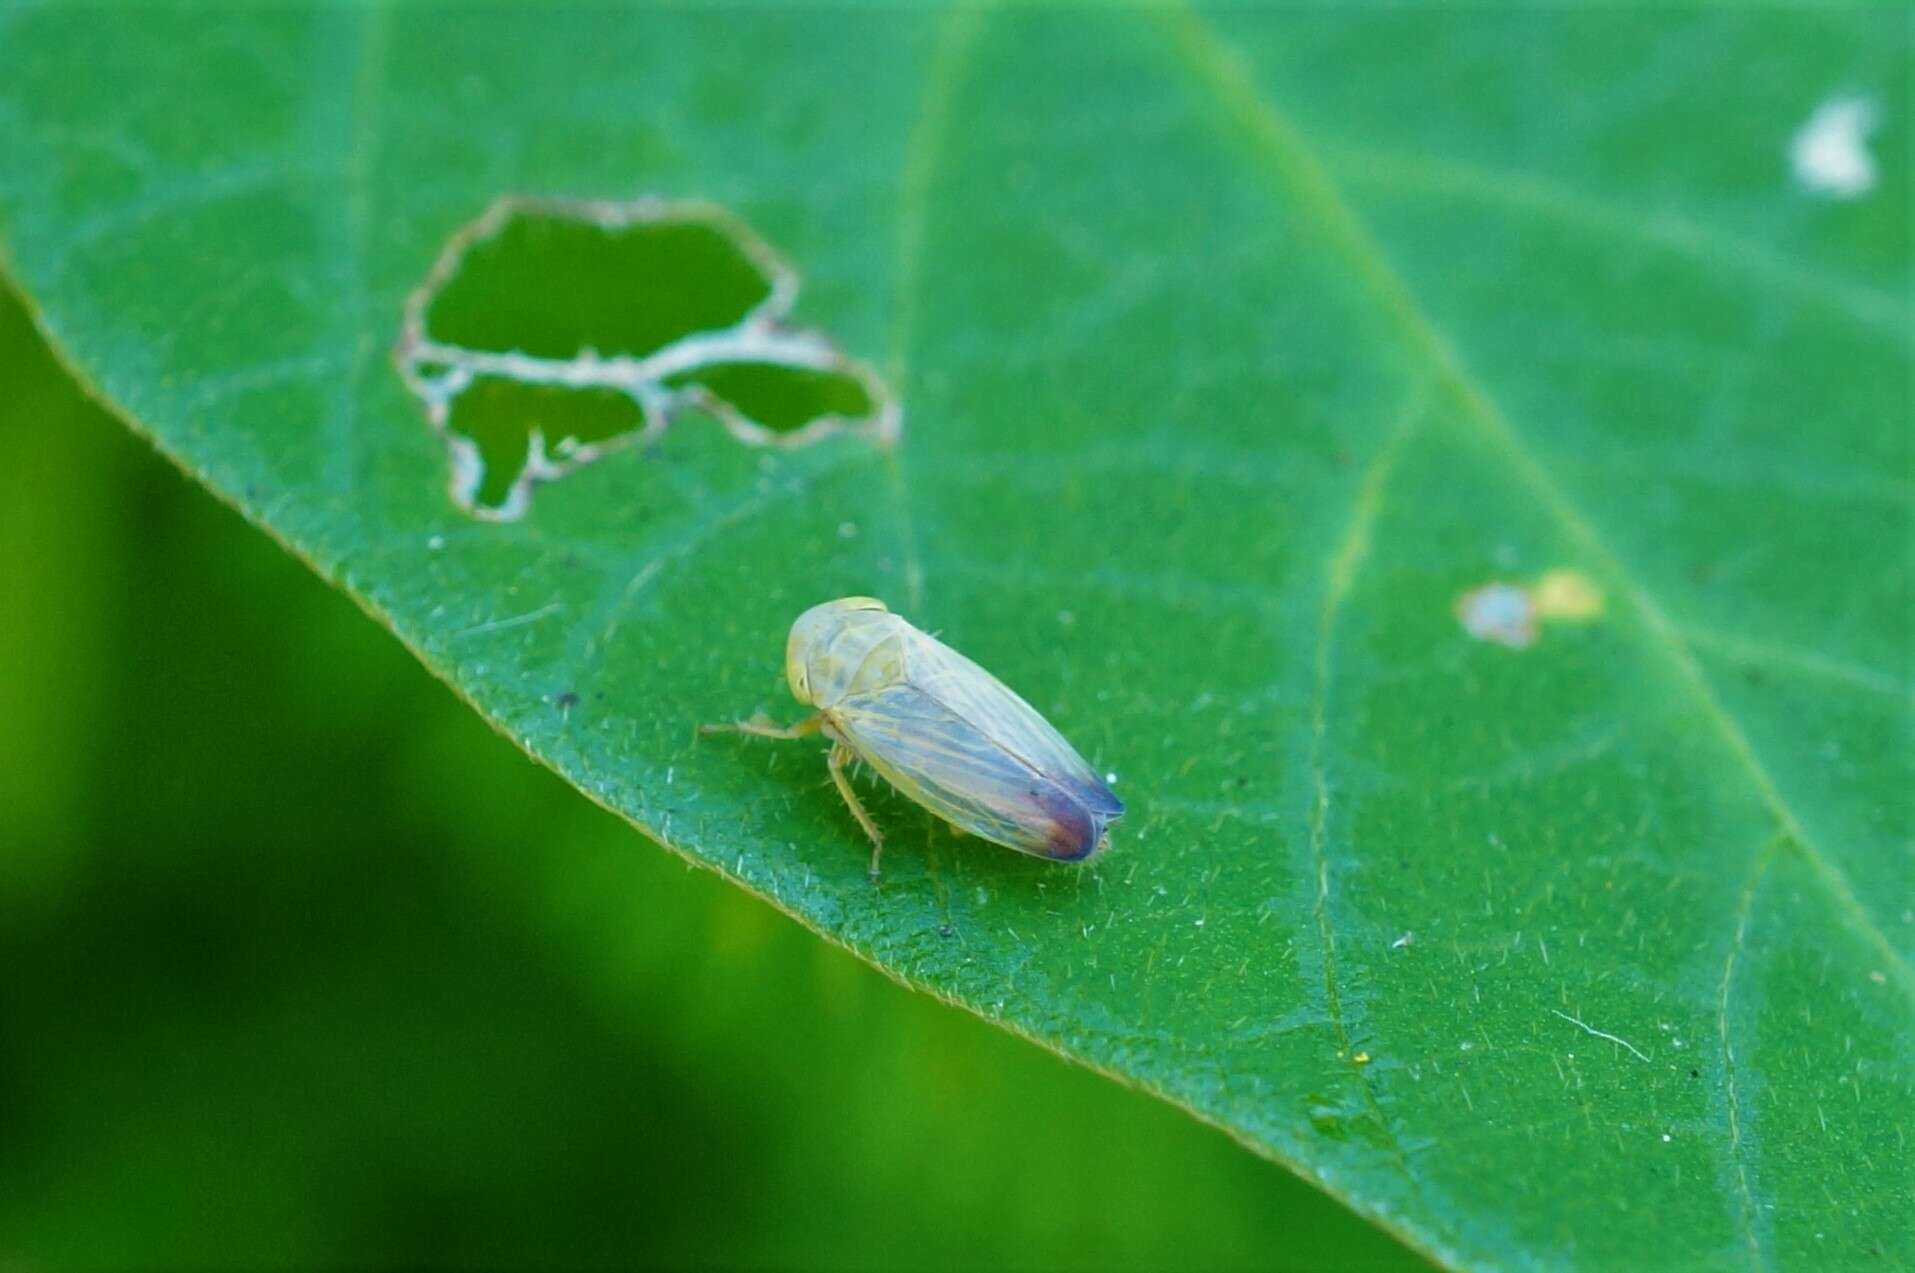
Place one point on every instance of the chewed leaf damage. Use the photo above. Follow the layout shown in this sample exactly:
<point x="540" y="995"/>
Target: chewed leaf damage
<point x="552" y="331"/>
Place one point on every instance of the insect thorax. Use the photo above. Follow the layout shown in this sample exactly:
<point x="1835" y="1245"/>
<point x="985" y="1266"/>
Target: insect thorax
<point x="845" y="651"/>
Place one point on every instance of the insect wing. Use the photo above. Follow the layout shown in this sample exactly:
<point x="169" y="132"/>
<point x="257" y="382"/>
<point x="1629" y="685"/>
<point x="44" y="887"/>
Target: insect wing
<point x="949" y="766"/>
<point x="974" y="695"/>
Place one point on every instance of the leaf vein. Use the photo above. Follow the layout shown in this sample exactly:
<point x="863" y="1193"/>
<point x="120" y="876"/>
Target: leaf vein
<point x="1807" y="662"/>
<point x="1340" y="575"/>
<point x="1302" y="177"/>
<point x="366" y="105"/>
<point x="638" y="571"/>
<point x="924" y="147"/>
<point x="1737" y="1156"/>
<point x="1722" y="251"/>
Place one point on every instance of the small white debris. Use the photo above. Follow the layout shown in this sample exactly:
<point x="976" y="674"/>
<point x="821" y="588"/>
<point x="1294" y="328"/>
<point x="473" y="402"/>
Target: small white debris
<point x="1830" y="152"/>
<point x="1499" y="612"/>
<point x="436" y="543"/>
<point x="1111" y="778"/>
<point x="1666" y="1138"/>
<point x="1603" y="1034"/>
<point x="1405" y="940"/>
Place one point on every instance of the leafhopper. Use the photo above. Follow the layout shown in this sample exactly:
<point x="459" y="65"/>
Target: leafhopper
<point x="940" y="729"/>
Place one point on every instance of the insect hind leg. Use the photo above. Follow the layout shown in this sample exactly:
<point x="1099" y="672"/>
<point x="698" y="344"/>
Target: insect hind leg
<point x="763" y="728"/>
<point x="836" y="760"/>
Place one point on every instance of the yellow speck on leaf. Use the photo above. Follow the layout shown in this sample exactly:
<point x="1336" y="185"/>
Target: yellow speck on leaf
<point x="1566" y="594"/>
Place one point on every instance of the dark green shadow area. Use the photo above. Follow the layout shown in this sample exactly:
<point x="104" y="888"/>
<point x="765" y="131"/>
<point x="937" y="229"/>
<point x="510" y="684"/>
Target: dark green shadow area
<point x="552" y="285"/>
<point x="500" y="416"/>
<point x="783" y="399"/>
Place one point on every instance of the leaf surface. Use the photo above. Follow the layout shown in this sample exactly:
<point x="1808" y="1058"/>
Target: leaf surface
<point x="1452" y="469"/>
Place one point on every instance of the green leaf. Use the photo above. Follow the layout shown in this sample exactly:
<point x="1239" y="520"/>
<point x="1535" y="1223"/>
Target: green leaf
<point x="1452" y="468"/>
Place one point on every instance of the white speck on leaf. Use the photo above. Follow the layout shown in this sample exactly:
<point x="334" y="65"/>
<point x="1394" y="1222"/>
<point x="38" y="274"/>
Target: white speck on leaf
<point x="1829" y="153"/>
<point x="1499" y="612"/>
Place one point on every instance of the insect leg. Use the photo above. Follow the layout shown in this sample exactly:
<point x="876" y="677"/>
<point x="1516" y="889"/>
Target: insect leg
<point x="836" y="761"/>
<point x="765" y="729"/>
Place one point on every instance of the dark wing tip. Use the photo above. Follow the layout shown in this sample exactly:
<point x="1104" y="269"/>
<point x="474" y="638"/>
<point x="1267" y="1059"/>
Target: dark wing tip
<point x="1078" y="827"/>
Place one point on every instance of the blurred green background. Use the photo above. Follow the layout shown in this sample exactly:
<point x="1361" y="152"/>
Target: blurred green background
<point x="302" y="965"/>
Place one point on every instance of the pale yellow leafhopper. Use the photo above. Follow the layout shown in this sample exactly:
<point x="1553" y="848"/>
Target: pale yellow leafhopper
<point x="941" y="730"/>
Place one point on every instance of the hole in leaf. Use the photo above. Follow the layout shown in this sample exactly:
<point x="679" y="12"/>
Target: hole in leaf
<point x="552" y="286"/>
<point x="781" y="398"/>
<point x="514" y="429"/>
<point x="552" y="331"/>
